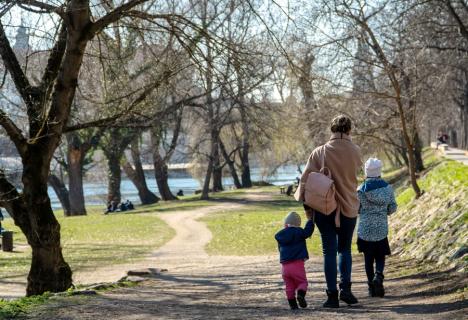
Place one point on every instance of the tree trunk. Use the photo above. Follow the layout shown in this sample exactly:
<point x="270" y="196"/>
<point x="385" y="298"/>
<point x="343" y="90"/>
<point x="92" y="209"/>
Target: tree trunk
<point x="465" y="125"/>
<point x="464" y="116"/>
<point x="206" y="183"/>
<point x="217" y="169"/>
<point x="453" y="138"/>
<point x="393" y="74"/>
<point x="162" y="179"/>
<point x="231" y="165"/>
<point x="245" y="176"/>
<point x="137" y="175"/>
<point x="75" y="181"/>
<point x="390" y="158"/>
<point x="49" y="271"/>
<point x="419" y="163"/>
<point x="114" y="149"/>
<point x="61" y="192"/>
<point x="115" y="178"/>
<point x="160" y="166"/>
<point x="144" y="193"/>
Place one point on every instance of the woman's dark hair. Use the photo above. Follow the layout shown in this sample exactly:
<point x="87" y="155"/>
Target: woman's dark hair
<point x="341" y="124"/>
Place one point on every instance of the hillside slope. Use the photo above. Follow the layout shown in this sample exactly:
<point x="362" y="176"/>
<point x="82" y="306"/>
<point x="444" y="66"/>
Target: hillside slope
<point x="435" y="226"/>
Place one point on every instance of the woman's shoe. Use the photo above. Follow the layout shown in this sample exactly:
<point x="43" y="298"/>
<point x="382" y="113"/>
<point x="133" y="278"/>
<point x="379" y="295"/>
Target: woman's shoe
<point x="293" y="304"/>
<point x="346" y="295"/>
<point x="378" y="285"/>
<point x="332" y="301"/>
<point x="301" y="298"/>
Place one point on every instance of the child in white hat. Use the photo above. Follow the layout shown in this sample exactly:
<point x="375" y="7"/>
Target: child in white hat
<point x="377" y="201"/>
<point x="293" y="252"/>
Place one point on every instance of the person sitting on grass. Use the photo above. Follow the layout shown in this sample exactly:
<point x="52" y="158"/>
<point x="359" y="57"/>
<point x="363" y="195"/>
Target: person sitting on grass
<point x="377" y="201"/>
<point x="293" y="252"/>
<point x="111" y="207"/>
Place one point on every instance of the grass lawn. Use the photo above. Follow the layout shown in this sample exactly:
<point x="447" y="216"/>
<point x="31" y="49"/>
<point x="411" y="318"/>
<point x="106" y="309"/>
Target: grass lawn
<point x="251" y="231"/>
<point x="446" y="176"/>
<point x="96" y="239"/>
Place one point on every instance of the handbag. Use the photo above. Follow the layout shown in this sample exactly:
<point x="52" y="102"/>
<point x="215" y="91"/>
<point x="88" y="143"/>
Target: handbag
<point x="319" y="193"/>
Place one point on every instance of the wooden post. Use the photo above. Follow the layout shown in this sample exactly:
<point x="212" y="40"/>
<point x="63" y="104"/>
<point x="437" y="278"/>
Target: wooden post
<point x="7" y="241"/>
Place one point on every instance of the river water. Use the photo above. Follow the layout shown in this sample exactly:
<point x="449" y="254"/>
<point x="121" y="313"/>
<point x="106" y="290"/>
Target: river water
<point x="96" y="192"/>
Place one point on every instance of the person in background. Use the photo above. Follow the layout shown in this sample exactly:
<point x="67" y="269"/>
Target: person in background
<point x="377" y="201"/>
<point x="129" y="205"/>
<point x="442" y="138"/>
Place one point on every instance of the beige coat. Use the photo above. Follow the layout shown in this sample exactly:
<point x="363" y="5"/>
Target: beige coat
<point x="343" y="158"/>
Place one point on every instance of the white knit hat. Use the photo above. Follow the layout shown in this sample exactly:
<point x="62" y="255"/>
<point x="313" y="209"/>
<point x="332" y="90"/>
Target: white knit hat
<point x="293" y="219"/>
<point x="373" y="168"/>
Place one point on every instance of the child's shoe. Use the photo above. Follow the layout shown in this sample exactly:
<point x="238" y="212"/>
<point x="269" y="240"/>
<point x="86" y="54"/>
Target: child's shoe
<point x="293" y="304"/>
<point x="371" y="289"/>
<point x="332" y="301"/>
<point x="378" y="285"/>
<point x="301" y="298"/>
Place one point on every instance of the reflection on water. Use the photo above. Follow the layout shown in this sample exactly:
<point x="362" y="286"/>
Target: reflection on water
<point x="96" y="192"/>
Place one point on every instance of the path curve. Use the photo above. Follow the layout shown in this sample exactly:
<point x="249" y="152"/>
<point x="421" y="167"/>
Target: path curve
<point x="191" y="235"/>
<point x="184" y="250"/>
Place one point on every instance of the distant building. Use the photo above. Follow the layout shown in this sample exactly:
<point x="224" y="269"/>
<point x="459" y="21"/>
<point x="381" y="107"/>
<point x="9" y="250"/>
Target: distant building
<point x="363" y="75"/>
<point x="21" y="46"/>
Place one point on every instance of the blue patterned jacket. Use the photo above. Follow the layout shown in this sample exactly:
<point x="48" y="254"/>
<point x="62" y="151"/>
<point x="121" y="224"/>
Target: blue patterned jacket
<point x="377" y="201"/>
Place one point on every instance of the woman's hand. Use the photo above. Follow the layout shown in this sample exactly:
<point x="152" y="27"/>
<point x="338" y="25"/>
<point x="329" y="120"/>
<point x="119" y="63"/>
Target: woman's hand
<point x="309" y="214"/>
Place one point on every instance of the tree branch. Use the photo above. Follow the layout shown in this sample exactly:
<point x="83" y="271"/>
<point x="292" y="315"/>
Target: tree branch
<point x="175" y="136"/>
<point x="114" y="15"/>
<point x="12" y="65"/>
<point x="13" y="132"/>
<point x="44" y="7"/>
<point x="54" y="62"/>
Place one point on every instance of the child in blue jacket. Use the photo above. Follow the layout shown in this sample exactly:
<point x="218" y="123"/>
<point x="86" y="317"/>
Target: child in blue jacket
<point x="293" y="252"/>
<point x="377" y="202"/>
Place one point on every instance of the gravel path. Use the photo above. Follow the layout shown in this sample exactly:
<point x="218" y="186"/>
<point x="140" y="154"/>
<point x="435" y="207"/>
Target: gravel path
<point x="198" y="286"/>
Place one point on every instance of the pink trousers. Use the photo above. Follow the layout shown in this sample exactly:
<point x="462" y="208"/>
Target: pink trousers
<point x="294" y="277"/>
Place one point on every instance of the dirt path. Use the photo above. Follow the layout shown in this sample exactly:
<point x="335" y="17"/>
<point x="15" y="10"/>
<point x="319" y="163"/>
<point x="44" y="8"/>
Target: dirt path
<point x="182" y="251"/>
<point x="189" y="241"/>
<point x="198" y="286"/>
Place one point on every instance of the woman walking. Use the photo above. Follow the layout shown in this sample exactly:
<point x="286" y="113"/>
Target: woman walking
<point x="343" y="158"/>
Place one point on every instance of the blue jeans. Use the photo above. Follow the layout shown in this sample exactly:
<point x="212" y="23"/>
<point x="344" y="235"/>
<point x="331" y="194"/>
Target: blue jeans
<point x="336" y="240"/>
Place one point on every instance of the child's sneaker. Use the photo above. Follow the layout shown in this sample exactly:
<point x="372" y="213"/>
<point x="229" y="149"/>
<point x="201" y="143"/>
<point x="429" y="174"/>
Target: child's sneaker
<point x="293" y="304"/>
<point x="301" y="298"/>
<point x="371" y="289"/>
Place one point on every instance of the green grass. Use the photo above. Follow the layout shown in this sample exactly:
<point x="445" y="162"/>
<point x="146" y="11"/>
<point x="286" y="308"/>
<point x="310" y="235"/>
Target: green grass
<point x="96" y="239"/>
<point x="14" y="308"/>
<point x="446" y="176"/>
<point x="251" y="231"/>
<point x="10" y="309"/>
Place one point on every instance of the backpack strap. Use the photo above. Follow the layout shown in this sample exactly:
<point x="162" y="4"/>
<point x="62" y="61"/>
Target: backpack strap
<point x="323" y="158"/>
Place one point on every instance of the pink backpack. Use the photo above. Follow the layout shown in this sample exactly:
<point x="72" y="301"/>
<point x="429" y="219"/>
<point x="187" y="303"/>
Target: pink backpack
<point x="319" y="193"/>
